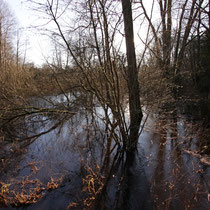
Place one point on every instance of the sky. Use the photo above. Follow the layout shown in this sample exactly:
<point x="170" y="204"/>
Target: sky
<point x="37" y="47"/>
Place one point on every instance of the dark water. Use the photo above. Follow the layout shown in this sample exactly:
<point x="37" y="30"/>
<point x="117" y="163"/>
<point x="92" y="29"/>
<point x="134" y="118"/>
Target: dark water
<point x="96" y="174"/>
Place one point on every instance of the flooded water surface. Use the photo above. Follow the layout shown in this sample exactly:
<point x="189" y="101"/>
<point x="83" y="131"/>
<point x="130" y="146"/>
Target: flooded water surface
<point x="72" y="163"/>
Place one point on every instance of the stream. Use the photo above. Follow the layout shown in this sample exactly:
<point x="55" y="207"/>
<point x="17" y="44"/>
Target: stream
<point x="74" y="166"/>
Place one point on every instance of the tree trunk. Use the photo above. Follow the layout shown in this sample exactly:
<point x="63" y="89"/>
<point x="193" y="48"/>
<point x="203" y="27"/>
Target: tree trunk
<point x="132" y="82"/>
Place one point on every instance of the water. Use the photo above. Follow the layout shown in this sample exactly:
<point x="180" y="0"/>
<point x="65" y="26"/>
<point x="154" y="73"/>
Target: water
<point x="160" y="174"/>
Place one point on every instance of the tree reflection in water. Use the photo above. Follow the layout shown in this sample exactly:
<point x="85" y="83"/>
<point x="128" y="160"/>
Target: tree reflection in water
<point x="97" y="174"/>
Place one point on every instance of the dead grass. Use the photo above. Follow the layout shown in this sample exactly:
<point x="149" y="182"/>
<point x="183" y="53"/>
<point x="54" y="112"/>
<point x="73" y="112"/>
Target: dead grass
<point x="93" y="184"/>
<point x="25" y="192"/>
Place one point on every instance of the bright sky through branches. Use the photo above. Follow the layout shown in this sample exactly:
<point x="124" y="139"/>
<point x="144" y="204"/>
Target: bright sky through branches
<point x="39" y="47"/>
<point x="36" y="44"/>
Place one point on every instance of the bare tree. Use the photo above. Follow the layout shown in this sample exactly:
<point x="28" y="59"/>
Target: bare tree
<point x="91" y="43"/>
<point x="175" y="32"/>
<point x="6" y="35"/>
<point x="132" y="73"/>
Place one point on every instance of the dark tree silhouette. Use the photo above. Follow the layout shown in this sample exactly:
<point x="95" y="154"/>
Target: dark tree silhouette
<point x="132" y="74"/>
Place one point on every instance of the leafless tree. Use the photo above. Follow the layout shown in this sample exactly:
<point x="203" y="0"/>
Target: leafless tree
<point x="6" y="35"/>
<point x="132" y="73"/>
<point x="91" y="43"/>
<point x="177" y="21"/>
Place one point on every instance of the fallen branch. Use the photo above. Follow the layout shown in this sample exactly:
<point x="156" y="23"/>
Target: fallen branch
<point x="203" y="159"/>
